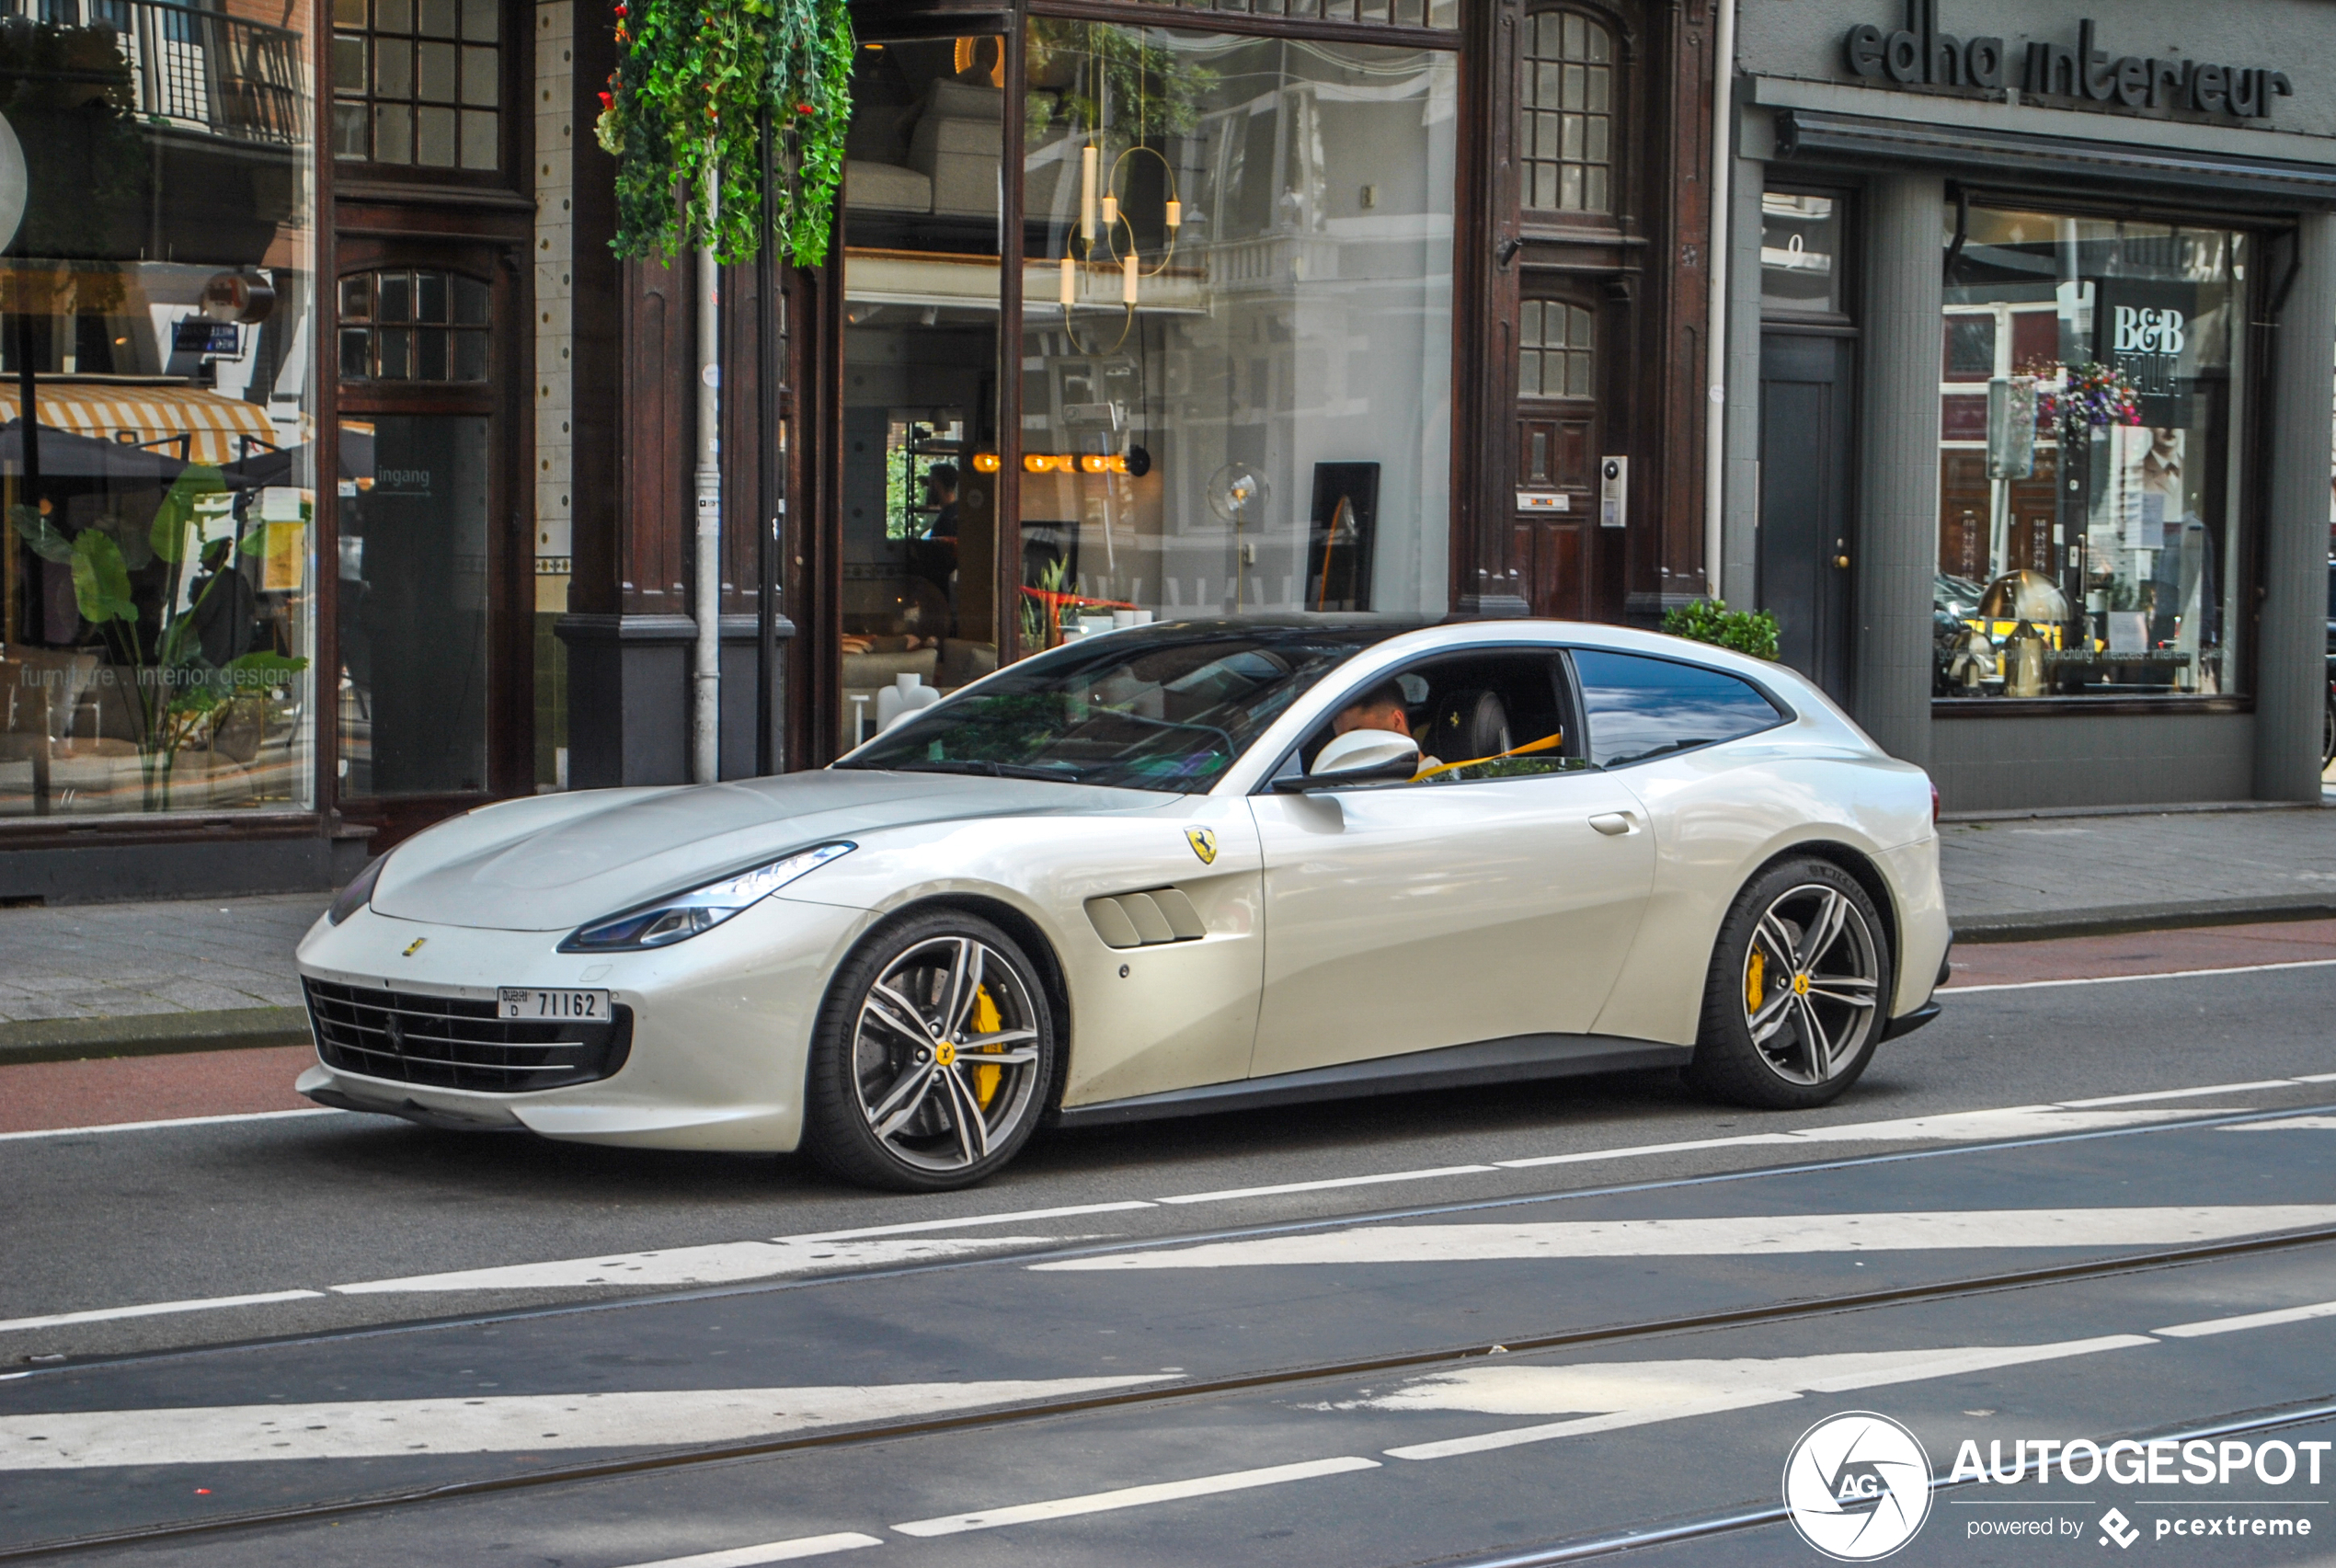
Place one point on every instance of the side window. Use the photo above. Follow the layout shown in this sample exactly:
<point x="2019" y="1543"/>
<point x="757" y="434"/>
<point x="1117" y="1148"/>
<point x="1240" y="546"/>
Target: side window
<point x="1638" y="707"/>
<point x="1488" y="713"/>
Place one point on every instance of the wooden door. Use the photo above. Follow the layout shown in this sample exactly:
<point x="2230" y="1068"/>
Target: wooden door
<point x="1554" y="508"/>
<point x="1808" y="532"/>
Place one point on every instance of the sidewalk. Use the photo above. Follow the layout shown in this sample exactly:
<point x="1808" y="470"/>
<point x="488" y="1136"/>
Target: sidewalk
<point x="134" y="980"/>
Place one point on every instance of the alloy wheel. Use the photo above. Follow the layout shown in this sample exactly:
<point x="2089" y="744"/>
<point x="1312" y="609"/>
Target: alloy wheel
<point x="944" y="1053"/>
<point x="1812" y="981"/>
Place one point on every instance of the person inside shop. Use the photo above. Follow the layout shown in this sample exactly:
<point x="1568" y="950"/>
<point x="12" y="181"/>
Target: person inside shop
<point x="941" y="499"/>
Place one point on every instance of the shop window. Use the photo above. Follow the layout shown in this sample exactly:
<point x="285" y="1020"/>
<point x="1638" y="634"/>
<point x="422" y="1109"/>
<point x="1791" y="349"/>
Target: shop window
<point x="919" y="533"/>
<point x="157" y="503"/>
<point x="2089" y="421"/>
<point x="1556" y="354"/>
<point x="415" y="325"/>
<point x="418" y="83"/>
<point x="1236" y="336"/>
<point x="1566" y="131"/>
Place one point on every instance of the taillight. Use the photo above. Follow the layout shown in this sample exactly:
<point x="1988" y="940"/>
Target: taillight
<point x="1934" y="806"/>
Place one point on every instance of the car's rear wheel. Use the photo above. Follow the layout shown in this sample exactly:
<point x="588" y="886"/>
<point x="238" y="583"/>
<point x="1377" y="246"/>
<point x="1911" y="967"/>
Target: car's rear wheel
<point x="1797" y="995"/>
<point x="932" y="1059"/>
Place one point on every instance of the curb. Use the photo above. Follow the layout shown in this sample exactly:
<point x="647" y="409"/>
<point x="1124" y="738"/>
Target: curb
<point x="2033" y="925"/>
<point x="151" y="1034"/>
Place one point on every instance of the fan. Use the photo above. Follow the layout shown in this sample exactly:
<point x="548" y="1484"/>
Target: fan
<point x="1237" y="493"/>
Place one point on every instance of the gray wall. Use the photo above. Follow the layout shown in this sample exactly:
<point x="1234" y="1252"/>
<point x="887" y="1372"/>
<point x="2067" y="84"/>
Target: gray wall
<point x="1988" y="764"/>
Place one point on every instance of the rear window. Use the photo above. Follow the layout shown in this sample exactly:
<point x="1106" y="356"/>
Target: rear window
<point x="1640" y="707"/>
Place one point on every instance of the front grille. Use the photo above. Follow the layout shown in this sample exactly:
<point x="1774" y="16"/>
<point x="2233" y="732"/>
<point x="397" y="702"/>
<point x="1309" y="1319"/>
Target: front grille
<point x="454" y="1042"/>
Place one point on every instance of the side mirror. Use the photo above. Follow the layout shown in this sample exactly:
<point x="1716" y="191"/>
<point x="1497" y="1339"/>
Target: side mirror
<point x="1358" y="757"/>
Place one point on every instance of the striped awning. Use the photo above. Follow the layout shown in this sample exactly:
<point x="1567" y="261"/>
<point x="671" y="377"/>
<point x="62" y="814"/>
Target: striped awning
<point x="184" y="422"/>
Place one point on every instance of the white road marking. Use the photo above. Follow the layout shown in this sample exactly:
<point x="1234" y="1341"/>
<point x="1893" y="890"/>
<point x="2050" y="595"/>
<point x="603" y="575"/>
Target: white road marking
<point x="155" y="1309"/>
<point x="1134" y="1496"/>
<point x="2006" y="1122"/>
<point x="1628" y="1393"/>
<point x="734" y="1262"/>
<point x="1730" y="1235"/>
<point x="1329" y="1182"/>
<point x="721" y="1262"/>
<point x="175" y="1121"/>
<point x="768" y="1551"/>
<point x="2198" y="1094"/>
<point x="2128" y="980"/>
<point x="502" y="1423"/>
<point x="2288" y="1124"/>
<point x="2249" y="1320"/>
<point x="911" y="1226"/>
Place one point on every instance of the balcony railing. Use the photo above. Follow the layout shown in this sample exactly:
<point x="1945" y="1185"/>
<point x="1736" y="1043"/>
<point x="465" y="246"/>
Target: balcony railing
<point x="196" y="69"/>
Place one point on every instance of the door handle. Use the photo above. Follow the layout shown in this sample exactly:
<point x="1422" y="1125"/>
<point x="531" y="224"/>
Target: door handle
<point x="1613" y="823"/>
<point x="1841" y="561"/>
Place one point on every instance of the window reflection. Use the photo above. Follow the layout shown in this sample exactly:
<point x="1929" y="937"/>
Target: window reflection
<point x="2087" y="497"/>
<point x="156" y="489"/>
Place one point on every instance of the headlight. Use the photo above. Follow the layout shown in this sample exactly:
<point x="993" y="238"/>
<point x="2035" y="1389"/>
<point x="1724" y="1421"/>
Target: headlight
<point x="358" y="892"/>
<point x="683" y="915"/>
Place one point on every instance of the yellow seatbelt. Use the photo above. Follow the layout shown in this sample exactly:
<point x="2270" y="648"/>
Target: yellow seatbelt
<point x="1544" y="744"/>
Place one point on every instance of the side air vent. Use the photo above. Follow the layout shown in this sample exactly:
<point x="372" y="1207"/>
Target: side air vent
<point x="1145" y="920"/>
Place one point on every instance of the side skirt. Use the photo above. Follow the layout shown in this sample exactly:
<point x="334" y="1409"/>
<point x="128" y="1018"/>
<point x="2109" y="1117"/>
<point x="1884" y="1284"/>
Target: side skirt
<point x="1517" y="1059"/>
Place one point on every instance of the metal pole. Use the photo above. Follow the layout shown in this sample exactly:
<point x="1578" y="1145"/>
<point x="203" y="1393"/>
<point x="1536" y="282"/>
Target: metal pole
<point x="706" y="706"/>
<point x="768" y="458"/>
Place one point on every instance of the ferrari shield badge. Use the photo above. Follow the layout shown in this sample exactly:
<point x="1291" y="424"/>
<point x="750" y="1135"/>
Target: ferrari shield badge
<point x="1204" y="844"/>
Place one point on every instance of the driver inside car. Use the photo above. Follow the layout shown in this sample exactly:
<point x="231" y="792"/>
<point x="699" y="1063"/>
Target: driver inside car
<point x="1381" y="708"/>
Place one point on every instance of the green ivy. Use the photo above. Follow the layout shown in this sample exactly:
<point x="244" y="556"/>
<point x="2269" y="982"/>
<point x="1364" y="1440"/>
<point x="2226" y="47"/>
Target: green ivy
<point x="682" y="111"/>
<point x="1710" y="621"/>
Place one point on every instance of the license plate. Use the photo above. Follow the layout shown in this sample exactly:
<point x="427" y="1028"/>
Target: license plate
<point x="525" y="1001"/>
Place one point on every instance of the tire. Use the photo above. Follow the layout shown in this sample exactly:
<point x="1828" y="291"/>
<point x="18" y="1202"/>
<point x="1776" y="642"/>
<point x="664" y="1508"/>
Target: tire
<point x="1768" y="998"/>
<point x="907" y="1090"/>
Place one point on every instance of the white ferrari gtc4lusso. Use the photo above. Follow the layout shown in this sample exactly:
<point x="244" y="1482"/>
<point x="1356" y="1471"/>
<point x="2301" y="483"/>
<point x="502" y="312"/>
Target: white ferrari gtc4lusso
<point x="1168" y="869"/>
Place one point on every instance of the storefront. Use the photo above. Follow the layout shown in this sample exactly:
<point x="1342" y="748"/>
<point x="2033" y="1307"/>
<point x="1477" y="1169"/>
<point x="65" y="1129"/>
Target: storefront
<point x="349" y="474"/>
<point x="2029" y="386"/>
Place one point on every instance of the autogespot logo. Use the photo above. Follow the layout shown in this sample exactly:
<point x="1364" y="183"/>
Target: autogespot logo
<point x="1856" y="1486"/>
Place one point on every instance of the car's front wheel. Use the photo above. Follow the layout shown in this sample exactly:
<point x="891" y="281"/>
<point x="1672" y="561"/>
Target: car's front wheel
<point x="1797" y="995"/>
<point x="932" y="1059"/>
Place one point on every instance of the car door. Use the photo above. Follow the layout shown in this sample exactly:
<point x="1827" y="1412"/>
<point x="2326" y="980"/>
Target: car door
<point x="1407" y="916"/>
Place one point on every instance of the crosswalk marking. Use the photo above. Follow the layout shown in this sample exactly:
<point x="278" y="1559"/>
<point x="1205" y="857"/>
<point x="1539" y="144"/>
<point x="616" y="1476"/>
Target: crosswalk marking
<point x="157" y="1309"/>
<point x="2205" y="1326"/>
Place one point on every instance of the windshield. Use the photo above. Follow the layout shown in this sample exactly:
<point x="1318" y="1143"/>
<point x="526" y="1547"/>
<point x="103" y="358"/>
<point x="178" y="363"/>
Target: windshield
<point x="1166" y="709"/>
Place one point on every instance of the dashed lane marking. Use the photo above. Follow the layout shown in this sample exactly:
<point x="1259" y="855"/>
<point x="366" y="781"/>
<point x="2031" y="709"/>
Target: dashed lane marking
<point x="721" y="1262"/>
<point x="770" y="1551"/>
<point x="641" y="1422"/>
<point x="173" y="1122"/>
<point x="2205" y="1326"/>
<point x="2129" y="980"/>
<point x="156" y="1310"/>
<point x="1135" y="1496"/>
<point x="1729" y="1235"/>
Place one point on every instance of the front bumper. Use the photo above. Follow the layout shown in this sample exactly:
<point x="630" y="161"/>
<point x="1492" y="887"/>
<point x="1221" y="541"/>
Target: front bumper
<point x="720" y="1025"/>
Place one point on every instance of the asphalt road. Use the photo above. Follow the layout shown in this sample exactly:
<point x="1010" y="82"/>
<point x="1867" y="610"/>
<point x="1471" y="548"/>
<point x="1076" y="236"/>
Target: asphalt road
<point x="2061" y="1211"/>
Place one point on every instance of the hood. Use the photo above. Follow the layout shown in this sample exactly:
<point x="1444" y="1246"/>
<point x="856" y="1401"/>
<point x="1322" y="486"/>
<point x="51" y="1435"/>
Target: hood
<point x="554" y="862"/>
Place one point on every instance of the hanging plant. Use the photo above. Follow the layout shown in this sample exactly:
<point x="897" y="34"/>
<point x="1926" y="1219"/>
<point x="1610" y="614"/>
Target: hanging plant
<point x="681" y="118"/>
<point x="2087" y="397"/>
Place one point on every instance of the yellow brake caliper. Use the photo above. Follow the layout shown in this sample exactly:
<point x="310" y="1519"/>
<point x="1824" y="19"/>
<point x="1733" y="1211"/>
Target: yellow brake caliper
<point x="1755" y="980"/>
<point x="986" y="1022"/>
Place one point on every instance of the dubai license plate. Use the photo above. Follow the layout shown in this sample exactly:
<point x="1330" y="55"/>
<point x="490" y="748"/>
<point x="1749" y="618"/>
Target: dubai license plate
<point x="577" y="1006"/>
